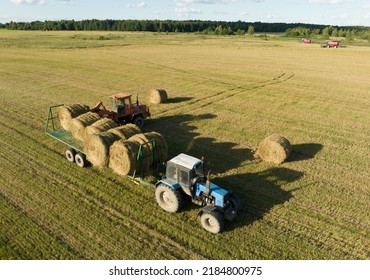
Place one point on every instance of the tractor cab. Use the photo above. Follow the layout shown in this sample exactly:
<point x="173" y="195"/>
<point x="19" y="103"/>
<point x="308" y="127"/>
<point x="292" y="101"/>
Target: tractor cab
<point x="121" y="104"/>
<point x="184" y="171"/>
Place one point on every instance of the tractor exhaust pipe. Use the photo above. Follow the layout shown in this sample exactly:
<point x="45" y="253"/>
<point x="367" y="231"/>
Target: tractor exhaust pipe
<point x="208" y="184"/>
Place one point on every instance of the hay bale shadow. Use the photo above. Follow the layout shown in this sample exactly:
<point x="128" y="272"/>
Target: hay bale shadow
<point x="304" y="151"/>
<point x="178" y="99"/>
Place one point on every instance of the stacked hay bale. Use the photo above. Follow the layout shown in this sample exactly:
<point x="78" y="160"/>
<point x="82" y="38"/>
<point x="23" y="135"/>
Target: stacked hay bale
<point x="123" y="153"/>
<point x="67" y="112"/>
<point x="122" y="156"/>
<point x="158" y="96"/>
<point x="78" y="125"/>
<point x="97" y="145"/>
<point x="274" y="149"/>
<point x="126" y="131"/>
<point x="101" y="125"/>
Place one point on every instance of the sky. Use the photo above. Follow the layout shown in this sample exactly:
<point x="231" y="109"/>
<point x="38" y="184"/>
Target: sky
<point x="327" y="12"/>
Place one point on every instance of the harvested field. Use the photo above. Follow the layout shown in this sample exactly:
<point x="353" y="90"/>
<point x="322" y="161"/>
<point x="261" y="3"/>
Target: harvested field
<point x="227" y="94"/>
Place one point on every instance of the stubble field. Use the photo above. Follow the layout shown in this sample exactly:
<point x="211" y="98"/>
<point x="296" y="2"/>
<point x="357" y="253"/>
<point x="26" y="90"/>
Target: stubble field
<point x="226" y="94"/>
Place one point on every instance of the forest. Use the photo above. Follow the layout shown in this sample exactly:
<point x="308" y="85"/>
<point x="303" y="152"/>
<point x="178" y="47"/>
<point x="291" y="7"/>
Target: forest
<point x="190" y="26"/>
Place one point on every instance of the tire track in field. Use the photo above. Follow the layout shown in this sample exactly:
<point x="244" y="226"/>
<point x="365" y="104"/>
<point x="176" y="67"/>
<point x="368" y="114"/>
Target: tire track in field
<point x="174" y="248"/>
<point x="218" y="96"/>
<point x="221" y="95"/>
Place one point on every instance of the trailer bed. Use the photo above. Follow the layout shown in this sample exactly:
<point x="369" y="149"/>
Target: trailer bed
<point x="66" y="138"/>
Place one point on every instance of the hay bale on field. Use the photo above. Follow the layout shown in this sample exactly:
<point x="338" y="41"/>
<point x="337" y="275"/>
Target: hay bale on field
<point x="126" y="131"/>
<point x="101" y="125"/>
<point x="158" y="96"/>
<point x="122" y="156"/>
<point x="274" y="149"/>
<point x="78" y="124"/>
<point x="97" y="147"/>
<point x="67" y="112"/>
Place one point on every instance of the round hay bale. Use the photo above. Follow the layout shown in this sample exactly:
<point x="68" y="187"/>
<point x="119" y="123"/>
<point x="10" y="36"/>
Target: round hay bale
<point x="126" y="131"/>
<point x="99" y="126"/>
<point x="161" y="144"/>
<point x="97" y="147"/>
<point x="67" y="112"/>
<point x="146" y="150"/>
<point x="78" y="124"/>
<point x="122" y="156"/>
<point x="158" y="96"/>
<point x="274" y="149"/>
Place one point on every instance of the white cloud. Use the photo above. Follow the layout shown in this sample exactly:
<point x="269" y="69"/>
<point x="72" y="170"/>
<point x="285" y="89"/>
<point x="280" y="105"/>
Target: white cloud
<point x="31" y="2"/>
<point x="139" y="5"/>
<point x="331" y="2"/>
<point x="187" y="11"/>
<point x="189" y="2"/>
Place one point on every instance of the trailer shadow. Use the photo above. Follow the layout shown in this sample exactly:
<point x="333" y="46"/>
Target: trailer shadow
<point x="259" y="192"/>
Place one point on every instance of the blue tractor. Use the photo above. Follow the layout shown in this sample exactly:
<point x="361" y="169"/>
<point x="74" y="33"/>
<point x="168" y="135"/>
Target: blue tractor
<point x="185" y="176"/>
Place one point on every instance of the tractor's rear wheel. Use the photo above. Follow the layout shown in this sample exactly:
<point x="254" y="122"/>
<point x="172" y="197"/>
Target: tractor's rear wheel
<point x="70" y="154"/>
<point x="80" y="159"/>
<point x="213" y="222"/>
<point x="169" y="199"/>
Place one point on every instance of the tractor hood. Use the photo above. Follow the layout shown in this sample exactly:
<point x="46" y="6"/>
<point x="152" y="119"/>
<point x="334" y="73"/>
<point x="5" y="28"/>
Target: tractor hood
<point x="217" y="192"/>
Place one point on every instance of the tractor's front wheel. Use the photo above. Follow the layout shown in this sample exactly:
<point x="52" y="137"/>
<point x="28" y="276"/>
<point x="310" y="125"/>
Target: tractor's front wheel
<point x="169" y="199"/>
<point x="213" y="222"/>
<point x="139" y="121"/>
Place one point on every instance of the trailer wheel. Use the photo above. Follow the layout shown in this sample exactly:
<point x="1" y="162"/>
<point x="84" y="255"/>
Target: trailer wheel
<point x="139" y="121"/>
<point x="169" y="199"/>
<point x="80" y="159"/>
<point x="213" y="222"/>
<point x="70" y="154"/>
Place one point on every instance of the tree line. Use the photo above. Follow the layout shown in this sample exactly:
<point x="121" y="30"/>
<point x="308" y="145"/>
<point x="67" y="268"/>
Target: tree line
<point x="206" y="27"/>
<point x="330" y="31"/>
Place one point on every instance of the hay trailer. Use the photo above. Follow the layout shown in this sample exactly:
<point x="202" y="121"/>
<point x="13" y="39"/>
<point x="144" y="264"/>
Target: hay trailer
<point x="75" y="151"/>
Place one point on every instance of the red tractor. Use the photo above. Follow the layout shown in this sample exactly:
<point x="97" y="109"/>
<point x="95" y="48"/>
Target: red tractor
<point x="331" y="44"/>
<point x="123" y="110"/>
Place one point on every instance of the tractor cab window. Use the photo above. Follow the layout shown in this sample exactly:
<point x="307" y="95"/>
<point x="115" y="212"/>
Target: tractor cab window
<point x="118" y="105"/>
<point x="198" y="169"/>
<point x="126" y="102"/>
<point x="184" y="178"/>
<point x="171" y="172"/>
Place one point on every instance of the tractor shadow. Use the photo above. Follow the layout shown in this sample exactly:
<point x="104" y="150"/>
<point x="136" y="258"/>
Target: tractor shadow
<point x="259" y="192"/>
<point x="304" y="151"/>
<point x="183" y="137"/>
